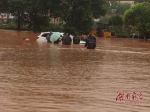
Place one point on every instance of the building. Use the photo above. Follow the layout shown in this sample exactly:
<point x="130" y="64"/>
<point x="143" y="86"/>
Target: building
<point x="5" y="17"/>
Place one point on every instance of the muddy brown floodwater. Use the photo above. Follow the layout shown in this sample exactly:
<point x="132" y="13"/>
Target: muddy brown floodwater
<point x="42" y="77"/>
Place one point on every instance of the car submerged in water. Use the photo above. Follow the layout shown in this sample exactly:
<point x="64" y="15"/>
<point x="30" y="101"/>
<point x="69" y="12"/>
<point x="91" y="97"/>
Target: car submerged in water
<point x="42" y="37"/>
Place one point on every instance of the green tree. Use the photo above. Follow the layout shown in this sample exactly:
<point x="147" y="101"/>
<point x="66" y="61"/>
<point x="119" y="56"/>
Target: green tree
<point x="33" y="12"/>
<point x="116" y="20"/>
<point x="40" y="11"/>
<point x="117" y="8"/>
<point x="17" y="8"/>
<point x="139" y="1"/>
<point x="138" y="17"/>
<point x="35" y="15"/>
<point x="3" y="5"/>
<point x="78" y="14"/>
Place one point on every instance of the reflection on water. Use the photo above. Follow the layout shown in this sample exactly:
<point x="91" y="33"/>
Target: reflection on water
<point x="43" y="77"/>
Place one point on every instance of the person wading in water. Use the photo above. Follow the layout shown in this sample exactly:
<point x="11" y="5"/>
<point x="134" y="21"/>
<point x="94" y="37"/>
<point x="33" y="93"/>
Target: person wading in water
<point x="90" y="42"/>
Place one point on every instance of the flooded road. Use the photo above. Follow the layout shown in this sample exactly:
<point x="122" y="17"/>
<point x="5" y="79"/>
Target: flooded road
<point x="42" y="77"/>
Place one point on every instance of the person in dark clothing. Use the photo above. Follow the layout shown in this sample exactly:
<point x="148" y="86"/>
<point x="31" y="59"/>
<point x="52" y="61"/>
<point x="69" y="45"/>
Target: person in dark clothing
<point x="90" y="42"/>
<point x="76" y="40"/>
<point x="49" y="36"/>
<point x="67" y="40"/>
<point x="63" y="38"/>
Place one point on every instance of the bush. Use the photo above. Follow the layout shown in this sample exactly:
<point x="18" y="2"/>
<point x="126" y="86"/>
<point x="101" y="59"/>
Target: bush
<point x="25" y="28"/>
<point x="8" y="26"/>
<point x="57" y="28"/>
<point x="122" y="34"/>
<point x="13" y="27"/>
<point x="53" y="27"/>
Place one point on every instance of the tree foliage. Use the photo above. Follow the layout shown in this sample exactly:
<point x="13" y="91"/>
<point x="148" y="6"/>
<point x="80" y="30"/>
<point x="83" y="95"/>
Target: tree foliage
<point x="3" y="5"/>
<point x="116" y="20"/>
<point x="77" y="14"/>
<point x="139" y="18"/>
<point x="116" y="7"/>
<point x="17" y="8"/>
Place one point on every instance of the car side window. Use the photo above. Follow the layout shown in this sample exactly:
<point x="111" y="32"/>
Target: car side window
<point x="44" y="35"/>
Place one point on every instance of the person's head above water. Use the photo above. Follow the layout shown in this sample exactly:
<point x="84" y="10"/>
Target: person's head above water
<point x="50" y="31"/>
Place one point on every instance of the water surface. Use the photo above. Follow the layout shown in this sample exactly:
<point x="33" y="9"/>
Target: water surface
<point x="43" y="77"/>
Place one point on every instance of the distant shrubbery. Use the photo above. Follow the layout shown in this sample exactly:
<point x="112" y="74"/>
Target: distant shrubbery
<point x="13" y="27"/>
<point x="122" y="34"/>
<point x="120" y="31"/>
<point x="138" y="18"/>
<point x="52" y="27"/>
<point x="8" y="26"/>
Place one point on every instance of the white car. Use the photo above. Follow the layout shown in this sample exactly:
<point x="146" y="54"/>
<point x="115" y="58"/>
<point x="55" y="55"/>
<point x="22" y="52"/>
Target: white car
<point x="42" y="37"/>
